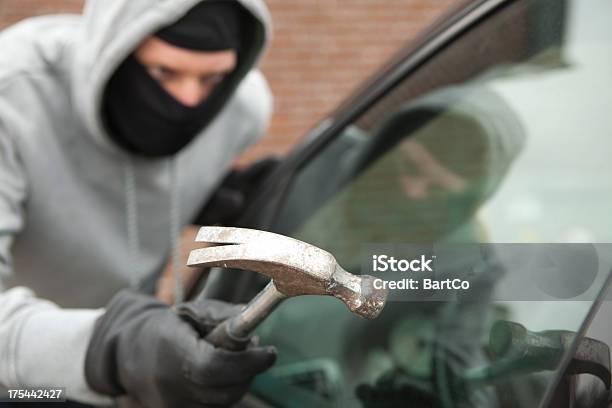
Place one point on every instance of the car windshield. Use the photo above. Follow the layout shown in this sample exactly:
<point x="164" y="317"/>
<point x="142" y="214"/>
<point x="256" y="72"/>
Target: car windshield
<point x="499" y="142"/>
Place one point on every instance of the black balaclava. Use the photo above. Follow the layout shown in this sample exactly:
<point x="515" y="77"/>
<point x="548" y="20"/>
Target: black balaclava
<point x="142" y="117"/>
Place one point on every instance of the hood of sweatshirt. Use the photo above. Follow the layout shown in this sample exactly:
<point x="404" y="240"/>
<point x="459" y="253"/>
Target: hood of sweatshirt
<point x="113" y="29"/>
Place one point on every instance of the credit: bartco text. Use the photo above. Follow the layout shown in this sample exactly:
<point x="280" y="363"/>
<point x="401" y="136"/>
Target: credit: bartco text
<point x="425" y="284"/>
<point x="423" y="263"/>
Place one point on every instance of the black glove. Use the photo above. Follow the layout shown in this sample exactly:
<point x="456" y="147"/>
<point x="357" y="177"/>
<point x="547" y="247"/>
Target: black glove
<point x="205" y="315"/>
<point x="142" y="348"/>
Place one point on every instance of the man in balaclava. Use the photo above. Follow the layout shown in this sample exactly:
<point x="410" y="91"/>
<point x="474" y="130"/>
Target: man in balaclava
<point x="115" y="128"/>
<point x="147" y="109"/>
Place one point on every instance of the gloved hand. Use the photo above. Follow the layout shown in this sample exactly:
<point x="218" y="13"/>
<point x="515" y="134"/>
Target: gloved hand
<point x="142" y="348"/>
<point x="205" y="315"/>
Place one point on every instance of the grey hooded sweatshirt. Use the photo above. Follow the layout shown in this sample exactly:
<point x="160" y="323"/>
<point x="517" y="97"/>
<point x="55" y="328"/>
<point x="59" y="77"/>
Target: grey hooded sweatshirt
<point x="79" y="218"/>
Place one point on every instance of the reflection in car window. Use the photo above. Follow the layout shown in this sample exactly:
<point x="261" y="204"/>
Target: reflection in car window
<point x="503" y="136"/>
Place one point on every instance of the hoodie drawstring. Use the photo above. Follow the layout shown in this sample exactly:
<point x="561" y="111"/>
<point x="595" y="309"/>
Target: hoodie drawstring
<point x="131" y="214"/>
<point x="175" y="230"/>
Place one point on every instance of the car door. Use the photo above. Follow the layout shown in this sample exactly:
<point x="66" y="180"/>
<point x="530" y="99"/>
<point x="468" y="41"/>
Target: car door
<point x="494" y="127"/>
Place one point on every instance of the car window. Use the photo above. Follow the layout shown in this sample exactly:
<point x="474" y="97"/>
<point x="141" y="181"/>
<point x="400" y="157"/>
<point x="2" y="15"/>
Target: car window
<point x="503" y="136"/>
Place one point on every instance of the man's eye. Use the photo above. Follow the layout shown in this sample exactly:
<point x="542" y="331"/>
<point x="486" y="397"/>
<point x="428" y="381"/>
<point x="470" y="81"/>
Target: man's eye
<point x="161" y="73"/>
<point x="212" y="79"/>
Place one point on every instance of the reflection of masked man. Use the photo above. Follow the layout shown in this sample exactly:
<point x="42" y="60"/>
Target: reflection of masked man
<point x="114" y="128"/>
<point x="432" y="165"/>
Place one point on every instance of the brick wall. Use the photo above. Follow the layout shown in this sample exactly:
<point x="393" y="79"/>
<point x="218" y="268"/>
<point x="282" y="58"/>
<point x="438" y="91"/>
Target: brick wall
<point x="322" y="49"/>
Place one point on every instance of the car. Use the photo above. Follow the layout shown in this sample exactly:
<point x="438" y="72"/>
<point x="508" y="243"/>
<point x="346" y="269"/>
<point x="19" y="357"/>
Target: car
<point x="493" y="129"/>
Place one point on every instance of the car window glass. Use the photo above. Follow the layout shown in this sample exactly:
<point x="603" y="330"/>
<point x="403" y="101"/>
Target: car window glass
<point x="501" y="137"/>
